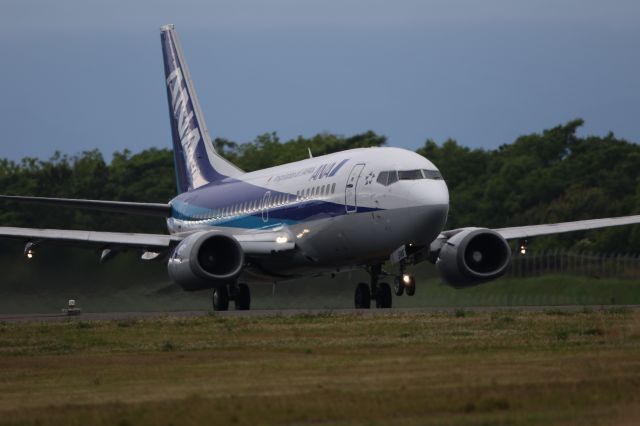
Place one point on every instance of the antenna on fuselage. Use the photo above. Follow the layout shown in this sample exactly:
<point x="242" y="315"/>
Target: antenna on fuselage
<point x="310" y="154"/>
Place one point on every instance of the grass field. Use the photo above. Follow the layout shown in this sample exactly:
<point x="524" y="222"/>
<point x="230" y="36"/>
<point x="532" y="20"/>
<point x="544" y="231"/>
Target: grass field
<point x="397" y="368"/>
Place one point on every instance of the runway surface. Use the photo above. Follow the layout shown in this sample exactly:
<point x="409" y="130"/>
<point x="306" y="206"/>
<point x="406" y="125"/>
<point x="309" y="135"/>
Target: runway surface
<point x="111" y="316"/>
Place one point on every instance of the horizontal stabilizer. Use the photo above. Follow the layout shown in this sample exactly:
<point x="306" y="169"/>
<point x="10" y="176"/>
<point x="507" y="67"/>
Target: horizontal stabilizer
<point x="145" y="209"/>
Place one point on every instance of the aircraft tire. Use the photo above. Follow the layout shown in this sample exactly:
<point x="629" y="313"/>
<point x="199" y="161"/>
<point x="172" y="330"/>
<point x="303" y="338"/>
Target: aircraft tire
<point x="383" y="296"/>
<point x="362" y="297"/>
<point x="411" y="288"/>
<point x="221" y="298"/>
<point x="243" y="299"/>
<point x="398" y="286"/>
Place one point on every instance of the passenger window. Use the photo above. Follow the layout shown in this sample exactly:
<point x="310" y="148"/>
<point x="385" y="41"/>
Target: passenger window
<point x="410" y="174"/>
<point x="382" y="178"/>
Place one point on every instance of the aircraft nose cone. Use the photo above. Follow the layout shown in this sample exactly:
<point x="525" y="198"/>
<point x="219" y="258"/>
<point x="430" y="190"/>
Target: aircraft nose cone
<point x="432" y="193"/>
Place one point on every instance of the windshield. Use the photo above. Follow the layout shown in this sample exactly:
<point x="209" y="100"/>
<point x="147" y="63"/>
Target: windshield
<point x="389" y="177"/>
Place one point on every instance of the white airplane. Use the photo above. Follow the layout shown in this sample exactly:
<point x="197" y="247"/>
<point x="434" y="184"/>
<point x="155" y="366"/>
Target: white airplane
<point x="354" y="209"/>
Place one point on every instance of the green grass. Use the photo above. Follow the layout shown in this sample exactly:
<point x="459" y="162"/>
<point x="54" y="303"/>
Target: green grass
<point x="463" y="367"/>
<point x="548" y="290"/>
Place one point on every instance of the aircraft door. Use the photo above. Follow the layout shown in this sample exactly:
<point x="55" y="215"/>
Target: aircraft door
<point x="266" y="199"/>
<point x="350" y="192"/>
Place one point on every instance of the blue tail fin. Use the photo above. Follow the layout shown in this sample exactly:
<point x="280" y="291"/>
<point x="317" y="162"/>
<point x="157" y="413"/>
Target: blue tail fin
<point x="196" y="161"/>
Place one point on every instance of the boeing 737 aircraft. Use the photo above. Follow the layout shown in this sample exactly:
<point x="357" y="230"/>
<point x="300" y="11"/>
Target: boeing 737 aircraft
<point x="353" y="209"/>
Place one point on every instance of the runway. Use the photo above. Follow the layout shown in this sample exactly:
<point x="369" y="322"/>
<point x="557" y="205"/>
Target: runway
<point x="117" y="316"/>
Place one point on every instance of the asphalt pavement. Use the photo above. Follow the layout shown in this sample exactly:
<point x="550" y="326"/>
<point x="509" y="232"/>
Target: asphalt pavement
<point x="117" y="316"/>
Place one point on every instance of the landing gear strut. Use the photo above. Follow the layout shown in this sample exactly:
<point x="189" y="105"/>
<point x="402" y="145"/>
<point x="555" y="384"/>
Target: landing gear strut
<point x="239" y="293"/>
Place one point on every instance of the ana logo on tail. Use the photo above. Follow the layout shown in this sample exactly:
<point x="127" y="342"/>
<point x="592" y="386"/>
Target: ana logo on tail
<point x="187" y="129"/>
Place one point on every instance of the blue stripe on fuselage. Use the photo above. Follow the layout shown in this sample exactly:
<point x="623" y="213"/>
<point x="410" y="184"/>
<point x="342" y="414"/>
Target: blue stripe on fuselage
<point x="206" y="203"/>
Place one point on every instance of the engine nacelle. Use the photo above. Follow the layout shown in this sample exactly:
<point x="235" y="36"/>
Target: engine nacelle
<point x="473" y="256"/>
<point x="205" y="260"/>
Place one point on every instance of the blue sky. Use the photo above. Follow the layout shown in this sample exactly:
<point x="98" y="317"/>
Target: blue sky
<point x="81" y="74"/>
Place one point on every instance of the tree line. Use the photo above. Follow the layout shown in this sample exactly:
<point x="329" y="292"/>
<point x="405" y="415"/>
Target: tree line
<point x="545" y="177"/>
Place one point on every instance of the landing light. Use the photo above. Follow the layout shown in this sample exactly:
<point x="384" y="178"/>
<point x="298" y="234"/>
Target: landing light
<point x="281" y="240"/>
<point x="30" y="250"/>
<point x="522" y="247"/>
<point x="302" y="234"/>
<point x="406" y="278"/>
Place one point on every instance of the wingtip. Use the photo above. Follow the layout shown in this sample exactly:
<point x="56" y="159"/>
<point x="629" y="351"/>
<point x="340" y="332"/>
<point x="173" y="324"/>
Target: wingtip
<point x="167" y="27"/>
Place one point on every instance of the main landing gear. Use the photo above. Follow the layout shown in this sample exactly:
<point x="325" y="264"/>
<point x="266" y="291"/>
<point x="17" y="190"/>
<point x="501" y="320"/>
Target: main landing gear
<point x="239" y="293"/>
<point x="381" y="292"/>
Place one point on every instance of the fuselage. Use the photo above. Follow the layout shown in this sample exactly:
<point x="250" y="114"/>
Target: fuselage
<point x="344" y="209"/>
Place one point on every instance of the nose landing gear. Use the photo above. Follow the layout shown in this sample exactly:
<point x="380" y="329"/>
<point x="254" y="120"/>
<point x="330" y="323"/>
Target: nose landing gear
<point x="404" y="282"/>
<point x="407" y="282"/>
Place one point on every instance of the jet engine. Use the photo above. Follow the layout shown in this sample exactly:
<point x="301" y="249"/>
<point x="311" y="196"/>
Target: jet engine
<point x="205" y="260"/>
<point x="473" y="256"/>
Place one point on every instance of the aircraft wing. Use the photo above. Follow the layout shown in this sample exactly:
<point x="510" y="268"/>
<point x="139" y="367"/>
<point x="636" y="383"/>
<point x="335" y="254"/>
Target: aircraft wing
<point x="558" y="228"/>
<point x="147" y="209"/>
<point x="252" y="244"/>
<point x="89" y="238"/>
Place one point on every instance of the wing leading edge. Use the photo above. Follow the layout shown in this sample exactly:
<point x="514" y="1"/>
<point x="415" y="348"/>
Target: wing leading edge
<point x="252" y="244"/>
<point x="146" y="209"/>
<point x="558" y="228"/>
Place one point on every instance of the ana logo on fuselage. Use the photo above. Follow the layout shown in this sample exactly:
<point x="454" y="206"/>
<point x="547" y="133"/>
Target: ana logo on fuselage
<point x="327" y="170"/>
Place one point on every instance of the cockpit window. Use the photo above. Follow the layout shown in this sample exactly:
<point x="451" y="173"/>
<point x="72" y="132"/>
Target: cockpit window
<point x="389" y="177"/>
<point x="393" y="177"/>
<point x="431" y="174"/>
<point x="382" y="178"/>
<point x="410" y="174"/>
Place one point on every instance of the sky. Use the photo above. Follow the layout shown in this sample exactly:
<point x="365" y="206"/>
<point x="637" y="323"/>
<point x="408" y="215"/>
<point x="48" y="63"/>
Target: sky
<point x="79" y="75"/>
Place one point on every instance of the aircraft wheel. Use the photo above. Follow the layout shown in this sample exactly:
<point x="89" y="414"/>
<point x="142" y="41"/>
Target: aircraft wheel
<point x="243" y="299"/>
<point x="411" y="286"/>
<point x="363" y="296"/>
<point x="398" y="286"/>
<point x="221" y="298"/>
<point x="383" y="296"/>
